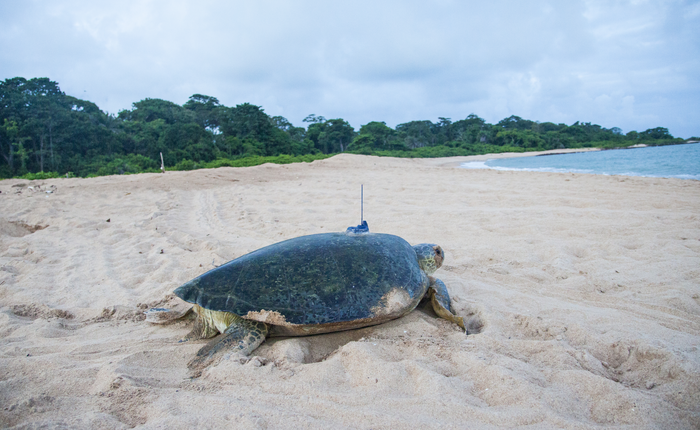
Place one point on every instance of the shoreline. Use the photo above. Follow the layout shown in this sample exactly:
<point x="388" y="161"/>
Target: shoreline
<point x="458" y="161"/>
<point x="638" y="164"/>
<point x="453" y="161"/>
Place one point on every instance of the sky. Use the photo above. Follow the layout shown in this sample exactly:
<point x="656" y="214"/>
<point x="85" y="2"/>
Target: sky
<point x="632" y="64"/>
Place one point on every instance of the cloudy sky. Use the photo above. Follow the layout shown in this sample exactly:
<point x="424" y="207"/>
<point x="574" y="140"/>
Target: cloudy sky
<point x="632" y="64"/>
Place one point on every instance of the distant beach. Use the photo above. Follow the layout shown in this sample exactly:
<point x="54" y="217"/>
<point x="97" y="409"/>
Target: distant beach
<point x="458" y="161"/>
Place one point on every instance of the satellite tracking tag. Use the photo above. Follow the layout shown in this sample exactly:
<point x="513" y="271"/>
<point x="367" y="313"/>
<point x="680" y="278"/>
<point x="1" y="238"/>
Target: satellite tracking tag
<point x="363" y="227"/>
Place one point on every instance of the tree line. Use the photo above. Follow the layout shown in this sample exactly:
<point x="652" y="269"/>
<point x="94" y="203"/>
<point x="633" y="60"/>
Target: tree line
<point x="46" y="133"/>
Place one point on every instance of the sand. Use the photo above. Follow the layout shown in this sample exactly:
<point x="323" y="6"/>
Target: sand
<point x="581" y="293"/>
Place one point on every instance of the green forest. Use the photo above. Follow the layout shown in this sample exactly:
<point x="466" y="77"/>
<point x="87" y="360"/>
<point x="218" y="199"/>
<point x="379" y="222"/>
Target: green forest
<point x="45" y="133"/>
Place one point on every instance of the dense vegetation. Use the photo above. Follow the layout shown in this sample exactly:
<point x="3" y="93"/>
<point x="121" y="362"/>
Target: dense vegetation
<point x="46" y="133"/>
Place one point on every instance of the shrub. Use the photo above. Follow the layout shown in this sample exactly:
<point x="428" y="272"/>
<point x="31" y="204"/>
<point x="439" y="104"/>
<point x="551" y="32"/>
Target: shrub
<point x="184" y="165"/>
<point x="41" y="175"/>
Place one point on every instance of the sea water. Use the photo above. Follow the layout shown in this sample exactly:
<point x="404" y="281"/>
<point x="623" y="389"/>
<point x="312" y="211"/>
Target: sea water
<point x="673" y="161"/>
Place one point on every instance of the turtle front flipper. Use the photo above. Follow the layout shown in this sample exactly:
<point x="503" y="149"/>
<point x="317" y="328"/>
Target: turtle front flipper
<point x="241" y="336"/>
<point x="440" y="299"/>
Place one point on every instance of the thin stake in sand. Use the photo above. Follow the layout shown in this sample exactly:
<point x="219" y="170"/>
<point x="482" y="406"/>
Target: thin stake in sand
<point x="162" y="164"/>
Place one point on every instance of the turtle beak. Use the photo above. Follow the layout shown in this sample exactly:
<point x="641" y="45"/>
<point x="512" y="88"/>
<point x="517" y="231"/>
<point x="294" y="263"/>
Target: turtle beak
<point x="439" y="256"/>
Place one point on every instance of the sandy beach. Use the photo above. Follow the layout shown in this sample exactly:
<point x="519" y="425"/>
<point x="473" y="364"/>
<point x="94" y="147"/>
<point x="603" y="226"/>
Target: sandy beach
<point x="582" y="293"/>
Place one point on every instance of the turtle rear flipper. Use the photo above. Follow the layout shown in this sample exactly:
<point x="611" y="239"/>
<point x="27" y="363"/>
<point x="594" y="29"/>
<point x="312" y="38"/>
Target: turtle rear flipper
<point x="200" y="330"/>
<point x="242" y="336"/>
<point x="440" y="299"/>
<point x="165" y="316"/>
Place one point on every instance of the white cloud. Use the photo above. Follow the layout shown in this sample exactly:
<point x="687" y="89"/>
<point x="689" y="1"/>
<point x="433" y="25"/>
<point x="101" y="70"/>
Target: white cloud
<point x="616" y="63"/>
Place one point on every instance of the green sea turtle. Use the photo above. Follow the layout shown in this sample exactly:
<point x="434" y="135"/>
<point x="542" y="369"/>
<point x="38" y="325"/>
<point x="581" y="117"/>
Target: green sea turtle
<point x="308" y="285"/>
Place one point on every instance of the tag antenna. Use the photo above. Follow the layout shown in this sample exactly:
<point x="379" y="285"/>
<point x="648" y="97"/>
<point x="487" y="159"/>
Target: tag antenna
<point x="363" y="227"/>
<point x="362" y="203"/>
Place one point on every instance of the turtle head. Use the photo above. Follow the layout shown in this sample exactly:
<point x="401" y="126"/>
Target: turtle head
<point x="430" y="257"/>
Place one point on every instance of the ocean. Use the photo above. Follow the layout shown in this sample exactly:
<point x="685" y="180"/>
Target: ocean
<point x="673" y="161"/>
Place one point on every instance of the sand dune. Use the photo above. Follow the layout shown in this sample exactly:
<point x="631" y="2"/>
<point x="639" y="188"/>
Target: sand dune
<point x="582" y="293"/>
